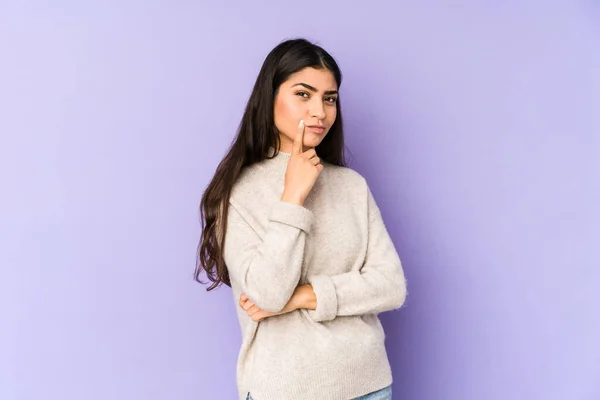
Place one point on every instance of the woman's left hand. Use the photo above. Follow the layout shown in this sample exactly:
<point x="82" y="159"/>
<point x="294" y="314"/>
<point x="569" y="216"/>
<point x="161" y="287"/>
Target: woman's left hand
<point x="255" y="312"/>
<point x="252" y="309"/>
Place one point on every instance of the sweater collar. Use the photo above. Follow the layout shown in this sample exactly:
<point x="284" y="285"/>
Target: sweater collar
<point x="281" y="155"/>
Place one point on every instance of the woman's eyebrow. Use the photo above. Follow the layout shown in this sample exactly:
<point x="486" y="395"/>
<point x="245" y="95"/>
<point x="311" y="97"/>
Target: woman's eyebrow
<point x="314" y="89"/>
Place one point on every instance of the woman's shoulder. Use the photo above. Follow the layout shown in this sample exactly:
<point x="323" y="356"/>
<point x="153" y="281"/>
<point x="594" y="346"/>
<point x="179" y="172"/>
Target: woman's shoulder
<point x="254" y="184"/>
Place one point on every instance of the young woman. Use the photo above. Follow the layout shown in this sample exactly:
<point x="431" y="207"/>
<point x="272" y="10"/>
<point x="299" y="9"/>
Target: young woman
<point x="300" y="240"/>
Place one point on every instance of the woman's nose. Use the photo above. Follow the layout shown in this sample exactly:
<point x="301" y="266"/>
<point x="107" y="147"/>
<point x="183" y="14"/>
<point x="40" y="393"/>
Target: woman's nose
<point x="317" y="110"/>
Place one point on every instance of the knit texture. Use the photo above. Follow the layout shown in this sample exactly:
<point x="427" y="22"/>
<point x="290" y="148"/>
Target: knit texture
<point x="339" y="244"/>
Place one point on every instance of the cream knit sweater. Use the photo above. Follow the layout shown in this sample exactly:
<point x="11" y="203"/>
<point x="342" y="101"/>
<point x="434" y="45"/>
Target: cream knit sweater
<point x="338" y="243"/>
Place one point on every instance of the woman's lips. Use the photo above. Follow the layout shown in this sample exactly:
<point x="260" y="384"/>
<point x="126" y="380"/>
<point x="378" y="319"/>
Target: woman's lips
<point x="316" y="128"/>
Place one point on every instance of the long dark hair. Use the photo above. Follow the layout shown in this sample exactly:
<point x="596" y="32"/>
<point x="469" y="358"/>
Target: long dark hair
<point x="256" y="134"/>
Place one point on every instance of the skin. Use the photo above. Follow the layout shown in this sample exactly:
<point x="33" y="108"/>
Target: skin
<point x="303" y="297"/>
<point x="309" y="95"/>
<point x="304" y="111"/>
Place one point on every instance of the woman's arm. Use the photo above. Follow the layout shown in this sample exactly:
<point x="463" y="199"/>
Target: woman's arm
<point x="379" y="286"/>
<point x="303" y="297"/>
<point x="268" y="268"/>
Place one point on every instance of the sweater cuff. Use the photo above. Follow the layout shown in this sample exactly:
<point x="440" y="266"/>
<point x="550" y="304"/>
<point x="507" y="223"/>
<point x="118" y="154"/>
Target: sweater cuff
<point x="292" y="214"/>
<point x="327" y="302"/>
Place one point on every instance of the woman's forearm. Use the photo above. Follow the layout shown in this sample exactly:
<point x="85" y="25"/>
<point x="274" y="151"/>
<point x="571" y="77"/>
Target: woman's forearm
<point x="303" y="298"/>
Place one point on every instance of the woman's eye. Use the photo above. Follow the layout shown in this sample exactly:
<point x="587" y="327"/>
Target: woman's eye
<point x="306" y="95"/>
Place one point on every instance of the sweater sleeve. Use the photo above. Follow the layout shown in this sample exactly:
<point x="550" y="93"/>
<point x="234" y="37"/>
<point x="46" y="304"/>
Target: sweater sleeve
<point x="268" y="267"/>
<point x="378" y="286"/>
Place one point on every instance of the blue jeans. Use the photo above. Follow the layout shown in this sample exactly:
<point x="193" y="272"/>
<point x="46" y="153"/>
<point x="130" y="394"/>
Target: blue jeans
<point x="383" y="394"/>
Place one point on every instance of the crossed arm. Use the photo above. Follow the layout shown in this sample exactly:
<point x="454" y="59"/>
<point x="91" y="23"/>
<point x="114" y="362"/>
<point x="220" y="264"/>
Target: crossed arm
<point x="303" y="297"/>
<point x="268" y="270"/>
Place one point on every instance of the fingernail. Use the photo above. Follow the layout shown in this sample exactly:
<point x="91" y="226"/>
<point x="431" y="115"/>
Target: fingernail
<point x="301" y="123"/>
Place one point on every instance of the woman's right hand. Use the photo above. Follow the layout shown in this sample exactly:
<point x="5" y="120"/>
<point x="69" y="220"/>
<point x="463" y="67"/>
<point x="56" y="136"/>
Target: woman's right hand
<point x="303" y="169"/>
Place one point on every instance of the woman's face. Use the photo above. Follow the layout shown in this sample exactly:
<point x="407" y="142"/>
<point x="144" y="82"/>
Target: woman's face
<point x="310" y="95"/>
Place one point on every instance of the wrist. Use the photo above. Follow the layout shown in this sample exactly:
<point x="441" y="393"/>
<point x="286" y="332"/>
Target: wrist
<point x="293" y="199"/>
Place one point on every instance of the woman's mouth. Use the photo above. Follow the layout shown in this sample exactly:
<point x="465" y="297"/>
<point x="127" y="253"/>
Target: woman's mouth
<point x="319" y="129"/>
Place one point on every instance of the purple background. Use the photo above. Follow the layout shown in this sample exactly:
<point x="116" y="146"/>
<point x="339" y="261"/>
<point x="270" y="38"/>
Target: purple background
<point x="477" y="126"/>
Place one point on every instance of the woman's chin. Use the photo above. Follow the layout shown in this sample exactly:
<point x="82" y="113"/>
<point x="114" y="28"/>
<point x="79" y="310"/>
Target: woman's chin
<point x="311" y="140"/>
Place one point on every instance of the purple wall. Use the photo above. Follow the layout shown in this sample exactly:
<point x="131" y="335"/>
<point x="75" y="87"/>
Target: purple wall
<point x="477" y="127"/>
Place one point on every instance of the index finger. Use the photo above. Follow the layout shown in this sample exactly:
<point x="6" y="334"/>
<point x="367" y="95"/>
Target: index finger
<point x="299" y="139"/>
